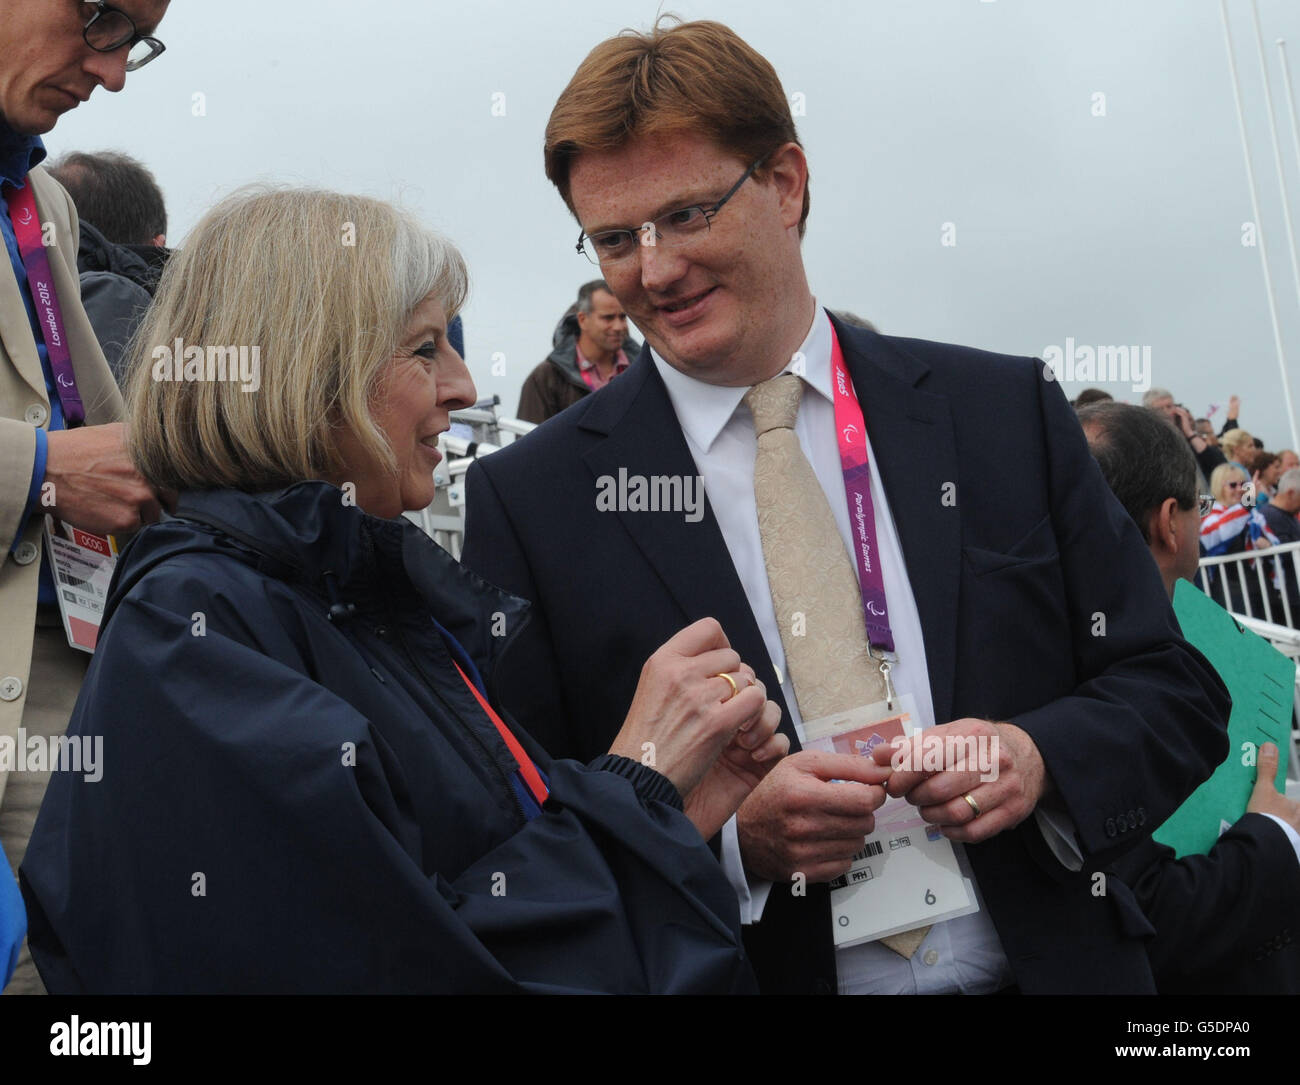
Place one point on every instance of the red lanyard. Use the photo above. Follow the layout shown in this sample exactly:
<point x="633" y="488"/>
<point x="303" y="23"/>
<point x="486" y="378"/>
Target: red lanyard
<point x="40" y="280"/>
<point x="527" y="770"/>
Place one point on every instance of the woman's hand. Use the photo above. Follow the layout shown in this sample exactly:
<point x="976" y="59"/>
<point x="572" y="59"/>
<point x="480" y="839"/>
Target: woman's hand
<point x="739" y="769"/>
<point x="684" y="715"/>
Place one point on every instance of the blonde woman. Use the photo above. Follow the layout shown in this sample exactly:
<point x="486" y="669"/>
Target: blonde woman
<point x="1238" y="446"/>
<point x="306" y="786"/>
<point x="1225" y="528"/>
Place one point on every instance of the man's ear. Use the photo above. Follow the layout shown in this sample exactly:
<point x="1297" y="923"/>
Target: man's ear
<point x="788" y="168"/>
<point x="1162" y="527"/>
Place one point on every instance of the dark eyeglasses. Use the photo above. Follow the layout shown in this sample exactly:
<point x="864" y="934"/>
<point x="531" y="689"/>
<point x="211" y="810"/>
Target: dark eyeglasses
<point x="108" y="30"/>
<point x="674" y="228"/>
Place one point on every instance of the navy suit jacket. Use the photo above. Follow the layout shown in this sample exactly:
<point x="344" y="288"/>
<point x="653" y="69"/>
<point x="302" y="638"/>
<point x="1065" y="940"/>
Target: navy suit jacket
<point x="1038" y="599"/>
<point x="1226" y="923"/>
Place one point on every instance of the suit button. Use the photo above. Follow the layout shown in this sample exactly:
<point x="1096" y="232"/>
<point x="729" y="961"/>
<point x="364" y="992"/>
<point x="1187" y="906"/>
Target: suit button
<point x="931" y="957"/>
<point x="25" y="553"/>
<point x="10" y="688"/>
<point x="36" y="414"/>
<point x="1110" y="827"/>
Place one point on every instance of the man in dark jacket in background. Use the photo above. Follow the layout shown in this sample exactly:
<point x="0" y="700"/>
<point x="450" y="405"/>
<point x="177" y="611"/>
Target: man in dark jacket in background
<point x="122" y="253"/>
<point x="591" y="349"/>
<point x="1225" y="923"/>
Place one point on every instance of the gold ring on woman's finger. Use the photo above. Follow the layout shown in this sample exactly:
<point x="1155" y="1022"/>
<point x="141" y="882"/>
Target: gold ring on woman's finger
<point x="731" y="682"/>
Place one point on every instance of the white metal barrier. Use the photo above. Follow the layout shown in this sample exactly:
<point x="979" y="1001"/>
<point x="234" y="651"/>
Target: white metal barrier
<point x="1244" y="583"/>
<point x="476" y="431"/>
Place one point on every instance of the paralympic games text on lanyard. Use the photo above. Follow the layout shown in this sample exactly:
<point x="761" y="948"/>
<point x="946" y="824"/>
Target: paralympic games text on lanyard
<point x="40" y="279"/>
<point x="851" y="433"/>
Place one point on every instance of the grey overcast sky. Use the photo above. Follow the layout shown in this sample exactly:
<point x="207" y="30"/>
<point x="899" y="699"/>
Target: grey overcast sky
<point x="1108" y="229"/>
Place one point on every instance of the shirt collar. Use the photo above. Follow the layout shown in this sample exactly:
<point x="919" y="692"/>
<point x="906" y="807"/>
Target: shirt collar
<point x="620" y="361"/>
<point x="703" y="409"/>
<point x="18" y="154"/>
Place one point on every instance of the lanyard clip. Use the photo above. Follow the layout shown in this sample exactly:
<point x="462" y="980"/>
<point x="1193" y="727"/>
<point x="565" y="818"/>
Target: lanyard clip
<point x="887" y="660"/>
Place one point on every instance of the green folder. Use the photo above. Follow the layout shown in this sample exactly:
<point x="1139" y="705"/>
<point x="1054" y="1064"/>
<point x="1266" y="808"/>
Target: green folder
<point x="1261" y="681"/>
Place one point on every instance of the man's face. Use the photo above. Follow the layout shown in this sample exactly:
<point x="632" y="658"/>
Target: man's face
<point x="1165" y="405"/>
<point x="1288" y="460"/>
<point x="1206" y="430"/>
<point x="707" y="306"/>
<point x="46" y="67"/>
<point x="606" y="324"/>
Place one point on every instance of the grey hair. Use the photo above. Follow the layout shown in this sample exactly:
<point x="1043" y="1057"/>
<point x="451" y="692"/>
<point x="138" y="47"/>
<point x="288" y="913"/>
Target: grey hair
<point x="1144" y="461"/>
<point x="1152" y="395"/>
<point x="1290" y="480"/>
<point x="424" y="263"/>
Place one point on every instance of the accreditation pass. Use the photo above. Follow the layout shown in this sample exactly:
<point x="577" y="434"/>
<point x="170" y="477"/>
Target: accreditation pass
<point x="906" y="875"/>
<point x="82" y="565"/>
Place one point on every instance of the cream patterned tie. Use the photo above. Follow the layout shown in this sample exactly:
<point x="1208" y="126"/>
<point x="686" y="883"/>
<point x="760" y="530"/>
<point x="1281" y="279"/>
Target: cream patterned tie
<point x="810" y="574"/>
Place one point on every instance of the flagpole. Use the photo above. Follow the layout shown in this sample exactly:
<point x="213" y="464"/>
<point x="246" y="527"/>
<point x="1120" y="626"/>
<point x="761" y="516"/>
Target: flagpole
<point x="1259" y="225"/>
<point x="1286" y="203"/>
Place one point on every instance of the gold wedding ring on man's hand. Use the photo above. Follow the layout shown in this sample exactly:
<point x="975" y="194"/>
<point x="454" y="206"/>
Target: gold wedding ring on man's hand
<point x="973" y="804"/>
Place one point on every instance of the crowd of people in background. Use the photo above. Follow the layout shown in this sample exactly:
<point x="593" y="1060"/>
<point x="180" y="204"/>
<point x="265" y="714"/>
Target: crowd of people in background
<point x="1249" y="500"/>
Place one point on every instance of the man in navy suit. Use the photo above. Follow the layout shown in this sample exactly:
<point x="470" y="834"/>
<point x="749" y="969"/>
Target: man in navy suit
<point x="1227" y="922"/>
<point x="1023" y="603"/>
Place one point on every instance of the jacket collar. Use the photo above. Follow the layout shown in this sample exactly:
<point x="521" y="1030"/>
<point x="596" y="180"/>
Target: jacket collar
<point x="307" y="535"/>
<point x="18" y="154"/>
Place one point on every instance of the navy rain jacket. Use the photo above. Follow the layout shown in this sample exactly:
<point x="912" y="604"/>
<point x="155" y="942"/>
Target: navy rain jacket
<point x="236" y="844"/>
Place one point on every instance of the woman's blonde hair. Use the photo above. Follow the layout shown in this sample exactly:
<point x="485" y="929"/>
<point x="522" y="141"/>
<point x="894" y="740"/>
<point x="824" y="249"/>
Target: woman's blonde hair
<point x="1219" y="479"/>
<point x="322" y="285"/>
<point x="1235" y="438"/>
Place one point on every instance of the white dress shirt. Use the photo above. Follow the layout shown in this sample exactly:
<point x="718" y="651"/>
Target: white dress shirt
<point x="962" y="954"/>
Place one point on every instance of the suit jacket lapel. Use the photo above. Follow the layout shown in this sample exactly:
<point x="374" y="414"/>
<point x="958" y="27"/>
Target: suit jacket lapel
<point x="643" y="437"/>
<point x="915" y="447"/>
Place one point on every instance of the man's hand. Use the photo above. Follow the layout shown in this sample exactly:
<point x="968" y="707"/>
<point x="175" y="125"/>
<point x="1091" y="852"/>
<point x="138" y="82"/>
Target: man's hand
<point x="1234" y="406"/>
<point x="1265" y="799"/>
<point x="799" y="821"/>
<point x="96" y="488"/>
<point x="1183" y="420"/>
<point x="1006" y="790"/>
<point x="740" y="768"/>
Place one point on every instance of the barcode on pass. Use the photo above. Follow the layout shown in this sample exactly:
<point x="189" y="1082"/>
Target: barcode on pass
<point x="872" y="847"/>
<point x="76" y="581"/>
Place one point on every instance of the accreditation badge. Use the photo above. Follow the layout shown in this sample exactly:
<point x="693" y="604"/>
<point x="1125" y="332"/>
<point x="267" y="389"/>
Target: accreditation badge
<point x="82" y="565"/>
<point x="906" y="874"/>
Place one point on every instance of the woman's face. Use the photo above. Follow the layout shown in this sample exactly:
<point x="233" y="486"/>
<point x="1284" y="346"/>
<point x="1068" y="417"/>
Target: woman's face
<point x="1231" y="488"/>
<point x="423" y="382"/>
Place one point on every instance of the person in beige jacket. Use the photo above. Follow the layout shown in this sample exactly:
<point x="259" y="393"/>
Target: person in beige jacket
<point x="52" y="56"/>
